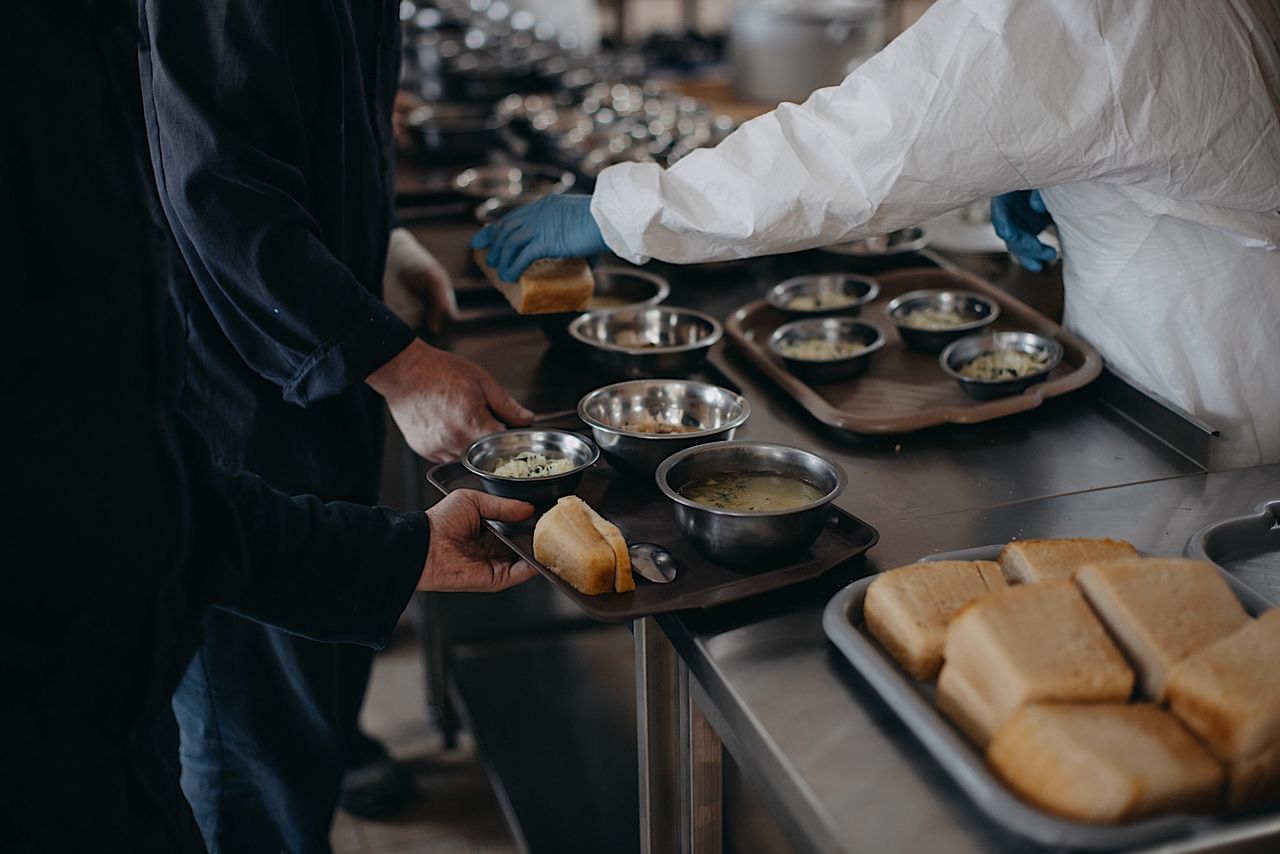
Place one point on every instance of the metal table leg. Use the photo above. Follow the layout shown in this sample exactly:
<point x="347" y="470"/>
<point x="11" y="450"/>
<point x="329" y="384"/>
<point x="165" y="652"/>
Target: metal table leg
<point x="679" y="751"/>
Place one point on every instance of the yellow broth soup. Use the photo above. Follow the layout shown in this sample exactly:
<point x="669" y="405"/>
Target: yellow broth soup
<point x="752" y="491"/>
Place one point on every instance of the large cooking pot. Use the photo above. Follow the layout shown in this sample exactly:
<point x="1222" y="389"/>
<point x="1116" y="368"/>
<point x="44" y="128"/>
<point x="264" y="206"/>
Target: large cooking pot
<point x="782" y="50"/>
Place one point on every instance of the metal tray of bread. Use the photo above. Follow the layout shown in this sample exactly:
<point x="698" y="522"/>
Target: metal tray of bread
<point x="905" y="390"/>
<point x="643" y="514"/>
<point x="1247" y="548"/>
<point x="914" y="702"/>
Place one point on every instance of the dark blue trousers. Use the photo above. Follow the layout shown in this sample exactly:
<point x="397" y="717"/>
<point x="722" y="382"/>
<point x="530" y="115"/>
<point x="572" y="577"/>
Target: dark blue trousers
<point x="267" y="720"/>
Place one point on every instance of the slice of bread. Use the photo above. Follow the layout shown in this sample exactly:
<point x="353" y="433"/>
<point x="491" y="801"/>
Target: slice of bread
<point x="1026" y="561"/>
<point x="548" y="286"/>
<point x="967" y="708"/>
<point x="1033" y="643"/>
<point x="568" y="541"/>
<point x="622" y="580"/>
<point x="1228" y="693"/>
<point x="1160" y="610"/>
<point x="907" y="609"/>
<point x="1254" y="782"/>
<point x="1105" y="763"/>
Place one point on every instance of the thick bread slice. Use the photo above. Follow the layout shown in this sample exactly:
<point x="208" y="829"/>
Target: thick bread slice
<point x="1025" y="561"/>
<point x="1034" y="643"/>
<point x="567" y="542"/>
<point x="548" y="286"/>
<point x="1229" y="692"/>
<point x="1254" y="782"/>
<point x="967" y="708"/>
<point x="907" y="609"/>
<point x="1105" y="763"/>
<point x="622" y="580"/>
<point x="1160" y="610"/>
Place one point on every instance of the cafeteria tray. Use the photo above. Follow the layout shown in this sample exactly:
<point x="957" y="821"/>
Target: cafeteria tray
<point x="905" y="390"/>
<point x="1247" y="548"/>
<point x="915" y="703"/>
<point x="643" y="514"/>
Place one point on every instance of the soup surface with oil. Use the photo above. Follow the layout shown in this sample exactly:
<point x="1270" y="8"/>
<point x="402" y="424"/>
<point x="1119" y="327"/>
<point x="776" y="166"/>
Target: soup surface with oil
<point x="753" y="491"/>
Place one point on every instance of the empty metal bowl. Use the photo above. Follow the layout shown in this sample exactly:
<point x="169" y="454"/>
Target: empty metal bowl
<point x="616" y="287"/>
<point x="656" y="341"/>
<point x="833" y="293"/>
<point x="979" y="310"/>
<point x="835" y="329"/>
<point x="964" y="351"/>
<point x="750" y="538"/>
<point x="898" y="242"/>
<point x="488" y="452"/>
<point x="506" y="181"/>
<point x="623" y="418"/>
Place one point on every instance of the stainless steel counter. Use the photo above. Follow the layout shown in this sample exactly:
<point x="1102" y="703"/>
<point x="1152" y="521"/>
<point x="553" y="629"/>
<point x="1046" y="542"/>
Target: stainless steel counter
<point x="837" y="769"/>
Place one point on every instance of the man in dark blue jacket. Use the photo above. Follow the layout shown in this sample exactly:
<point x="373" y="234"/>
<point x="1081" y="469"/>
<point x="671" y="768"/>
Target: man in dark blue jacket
<point x="269" y="126"/>
<point x="117" y="534"/>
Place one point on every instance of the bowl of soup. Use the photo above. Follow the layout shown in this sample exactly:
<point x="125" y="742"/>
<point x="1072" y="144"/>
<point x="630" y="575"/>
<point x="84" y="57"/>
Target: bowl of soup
<point x="750" y="504"/>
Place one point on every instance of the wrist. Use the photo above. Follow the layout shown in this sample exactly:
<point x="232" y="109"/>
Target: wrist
<point x="395" y="374"/>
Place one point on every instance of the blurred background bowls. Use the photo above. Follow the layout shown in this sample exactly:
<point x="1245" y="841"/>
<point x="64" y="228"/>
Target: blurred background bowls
<point x="898" y="242"/>
<point x="836" y="293"/>
<point x="980" y="311"/>
<point x="962" y="352"/>
<point x="509" y="181"/>
<point x="616" y="287"/>
<point x="488" y="452"/>
<point x="750" y="538"/>
<point x="710" y="414"/>
<point x="454" y="131"/>
<point x="833" y="329"/>
<point x="657" y="341"/>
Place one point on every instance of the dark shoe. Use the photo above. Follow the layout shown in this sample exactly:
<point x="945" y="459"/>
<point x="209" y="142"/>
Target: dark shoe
<point x="377" y="790"/>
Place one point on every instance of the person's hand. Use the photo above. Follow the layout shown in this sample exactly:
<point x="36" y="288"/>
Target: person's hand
<point x="415" y="286"/>
<point x="551" y="227"/>
<point x="464" y="555"/>
<point x="1019" y="217"/>
<point x="442" y="402"/>
<point x="405" y="103"/>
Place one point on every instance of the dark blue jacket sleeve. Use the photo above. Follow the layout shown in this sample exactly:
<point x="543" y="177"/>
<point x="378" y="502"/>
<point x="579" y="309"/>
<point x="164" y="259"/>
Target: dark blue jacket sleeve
<point x="225" y="90"/>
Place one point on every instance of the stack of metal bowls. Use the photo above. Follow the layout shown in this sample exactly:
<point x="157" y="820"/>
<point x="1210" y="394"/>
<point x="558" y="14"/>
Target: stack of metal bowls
<point x="625" y="419"/>
<point x="750" y="538"/>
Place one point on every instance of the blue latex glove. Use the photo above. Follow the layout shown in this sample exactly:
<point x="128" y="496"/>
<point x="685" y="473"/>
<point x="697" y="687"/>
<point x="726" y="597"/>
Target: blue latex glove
<point x="551" y="227"/>
<point x="1018" y="218"/>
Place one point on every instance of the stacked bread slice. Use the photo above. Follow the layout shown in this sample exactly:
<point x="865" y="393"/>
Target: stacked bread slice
<point x="582" y="547"/>
<point x="1038" y="668"/>
<point x="548" y="286"/>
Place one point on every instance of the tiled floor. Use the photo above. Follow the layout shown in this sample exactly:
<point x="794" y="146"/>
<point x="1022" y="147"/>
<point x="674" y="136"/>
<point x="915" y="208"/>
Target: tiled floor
<point x="457" y="813"/>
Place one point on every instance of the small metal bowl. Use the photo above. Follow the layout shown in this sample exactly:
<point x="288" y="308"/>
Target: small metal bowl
<point x="857" y="290"/>
<point x="655" y="341"/>
<point x="508" y="182"/>
<point x="964" y="351"/>
<point x="487" y="452"/>
<point x="715" y="413"/>
<point x="616" y="287"/>
<point x="748" y="538"/>
<point x="983" y="311"/>
<point x="827" y="329"/>
<point x="898" y="242"/>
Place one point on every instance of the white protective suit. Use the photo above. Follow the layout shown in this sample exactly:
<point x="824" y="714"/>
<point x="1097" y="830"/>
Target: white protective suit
<point x="1150" y="125"/>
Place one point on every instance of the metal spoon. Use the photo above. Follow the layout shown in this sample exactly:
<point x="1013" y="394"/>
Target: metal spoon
<point x="653" y="562"/>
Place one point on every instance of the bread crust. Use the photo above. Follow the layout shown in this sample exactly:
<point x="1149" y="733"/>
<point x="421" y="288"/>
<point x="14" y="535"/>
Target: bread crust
<point x="548" y="286"/>
<point x="567" y="542"/>
<point x="1028" y="561"/>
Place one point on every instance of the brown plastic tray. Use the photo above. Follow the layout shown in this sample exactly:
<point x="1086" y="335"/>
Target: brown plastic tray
<point x="905" y="390"/>
<point x="644" y="515"/>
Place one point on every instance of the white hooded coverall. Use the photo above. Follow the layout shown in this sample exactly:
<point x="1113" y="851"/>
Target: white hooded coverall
<point x="1150" y="126"/>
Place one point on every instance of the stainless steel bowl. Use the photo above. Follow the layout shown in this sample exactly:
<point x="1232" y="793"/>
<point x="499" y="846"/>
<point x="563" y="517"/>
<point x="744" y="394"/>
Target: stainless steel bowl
<point x="964" y="351"/>
<point x="983" y="312"/>
<point x="827" y="329"/>
<point x="611" y="412"/>
<point x="656" y="341"/>
<point x="857" y="290"/>
<point x="898" y="242"/>
<point x="746" y="538"/>
<point x="487" y="452"/>
<point x="616" y="287"/>
<point x="506" y="181"/>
